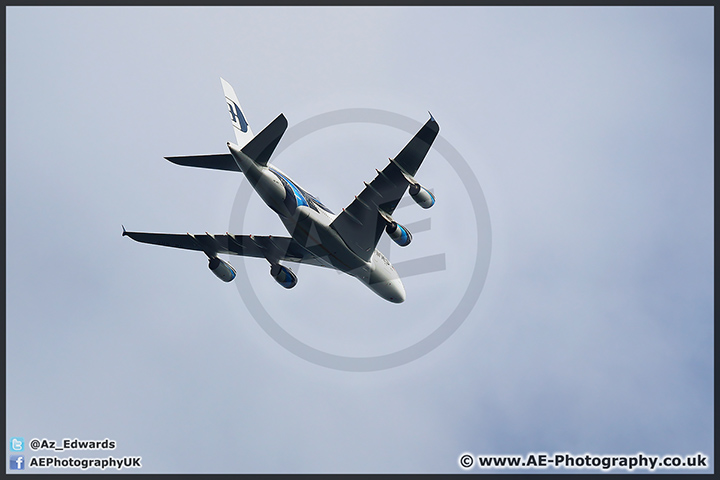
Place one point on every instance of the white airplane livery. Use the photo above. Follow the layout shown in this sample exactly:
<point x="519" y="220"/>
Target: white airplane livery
<point x="346" y="241"/>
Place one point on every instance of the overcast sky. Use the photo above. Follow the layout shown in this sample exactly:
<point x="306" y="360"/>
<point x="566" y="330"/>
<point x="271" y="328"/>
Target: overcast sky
<point x="589" y="131"/>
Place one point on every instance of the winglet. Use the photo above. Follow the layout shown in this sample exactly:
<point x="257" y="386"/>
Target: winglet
<point x="431" y="117"/>
<point x="124" y="232"/>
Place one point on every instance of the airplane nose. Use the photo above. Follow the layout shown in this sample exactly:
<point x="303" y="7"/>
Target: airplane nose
<point x="396" y="291"/>
<point x="388" y="285"/>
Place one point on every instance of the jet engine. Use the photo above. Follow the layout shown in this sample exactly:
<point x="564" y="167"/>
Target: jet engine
<point x="223" y="270"/>
<point x="421" y="195"/>
<point x="283" y="275"/>
<point x="399" y="234"/>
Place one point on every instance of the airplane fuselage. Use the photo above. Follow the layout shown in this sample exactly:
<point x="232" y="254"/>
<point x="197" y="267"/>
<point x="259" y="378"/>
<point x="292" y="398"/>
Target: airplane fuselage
<point x="309" y="223"/>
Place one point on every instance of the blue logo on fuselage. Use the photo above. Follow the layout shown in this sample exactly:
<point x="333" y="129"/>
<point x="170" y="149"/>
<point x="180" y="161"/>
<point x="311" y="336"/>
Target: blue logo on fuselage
<point x="237" y="116"/>
<point x="299" y="197"/>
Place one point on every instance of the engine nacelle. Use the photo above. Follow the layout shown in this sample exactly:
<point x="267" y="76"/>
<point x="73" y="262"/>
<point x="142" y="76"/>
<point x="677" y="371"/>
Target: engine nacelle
<point x="399" y="234"/>
<point x="283" y="275"/>
<point x="421" y="195"/>
<point x="223" y="270"/>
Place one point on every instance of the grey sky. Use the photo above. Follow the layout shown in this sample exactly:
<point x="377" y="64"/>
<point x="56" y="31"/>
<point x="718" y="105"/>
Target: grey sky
<point x="590" y="131"/>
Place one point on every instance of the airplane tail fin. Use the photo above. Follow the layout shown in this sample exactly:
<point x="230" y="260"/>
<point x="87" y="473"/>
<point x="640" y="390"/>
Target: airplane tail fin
<point x="259" y="148"/>
<point x="243" y="133"/>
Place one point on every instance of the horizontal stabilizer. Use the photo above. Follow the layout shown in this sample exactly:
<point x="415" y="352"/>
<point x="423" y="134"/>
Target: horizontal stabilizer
<point x="260" y="149"/>
<point x="219" y="161"/>
<point x="263" y="145"/>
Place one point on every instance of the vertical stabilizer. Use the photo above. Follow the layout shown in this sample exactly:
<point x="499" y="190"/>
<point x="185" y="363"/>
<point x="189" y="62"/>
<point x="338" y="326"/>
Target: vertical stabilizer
<point x="243" y="133"/>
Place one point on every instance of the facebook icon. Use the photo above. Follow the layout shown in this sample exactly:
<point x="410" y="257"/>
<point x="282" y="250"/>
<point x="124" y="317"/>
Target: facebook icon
<point x="17" y="462"/>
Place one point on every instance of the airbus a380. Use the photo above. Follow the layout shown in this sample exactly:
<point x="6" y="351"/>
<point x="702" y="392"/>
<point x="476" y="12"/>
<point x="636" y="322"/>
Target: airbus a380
<point x="346" y="241"/>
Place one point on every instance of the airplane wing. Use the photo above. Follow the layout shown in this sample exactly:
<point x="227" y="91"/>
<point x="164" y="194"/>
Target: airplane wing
<point x="361" y="224"/>
<point x="268" y="246"/>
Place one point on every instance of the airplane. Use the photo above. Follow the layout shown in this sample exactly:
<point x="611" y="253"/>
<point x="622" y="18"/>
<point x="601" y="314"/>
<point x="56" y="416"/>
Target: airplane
<point x="346" y="241"/>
